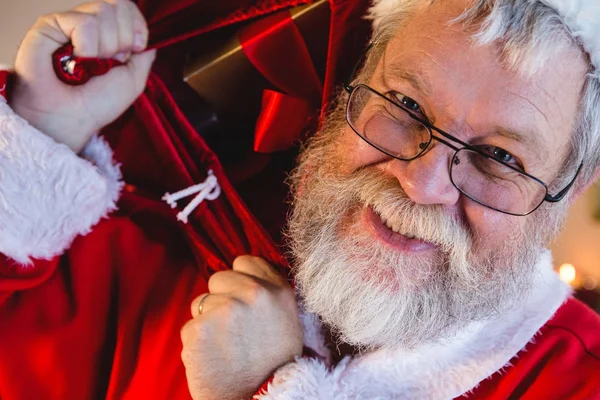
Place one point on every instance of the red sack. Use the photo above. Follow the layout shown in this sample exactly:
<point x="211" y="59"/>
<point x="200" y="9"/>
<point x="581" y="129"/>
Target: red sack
<point x="103" y="320"/>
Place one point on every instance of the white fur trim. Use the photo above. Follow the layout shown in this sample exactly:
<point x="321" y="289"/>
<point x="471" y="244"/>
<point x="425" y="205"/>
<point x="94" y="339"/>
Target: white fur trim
<point x="49" y="195"/>
<point x="313" y="335"/>
<point x="445" y="370"/>
<point x="582" y="17"/>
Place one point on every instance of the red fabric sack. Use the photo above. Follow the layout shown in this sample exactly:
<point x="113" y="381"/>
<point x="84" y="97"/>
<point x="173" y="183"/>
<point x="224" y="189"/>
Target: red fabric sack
<point x="103" y="320"/>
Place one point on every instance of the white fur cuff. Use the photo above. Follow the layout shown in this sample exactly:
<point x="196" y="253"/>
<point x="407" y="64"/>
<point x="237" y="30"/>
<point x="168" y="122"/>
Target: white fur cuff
<point x="49" y="195"/>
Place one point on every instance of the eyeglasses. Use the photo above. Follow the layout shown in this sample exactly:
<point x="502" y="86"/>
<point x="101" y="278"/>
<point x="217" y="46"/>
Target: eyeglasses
<point x="478" y="172"/>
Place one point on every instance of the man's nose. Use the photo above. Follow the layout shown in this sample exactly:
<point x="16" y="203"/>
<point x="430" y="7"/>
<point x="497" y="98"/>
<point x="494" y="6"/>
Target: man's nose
<point x="426" y="180"/>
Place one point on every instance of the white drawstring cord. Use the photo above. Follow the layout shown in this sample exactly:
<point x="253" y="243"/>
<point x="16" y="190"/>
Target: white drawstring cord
<point x="208" y="190"/>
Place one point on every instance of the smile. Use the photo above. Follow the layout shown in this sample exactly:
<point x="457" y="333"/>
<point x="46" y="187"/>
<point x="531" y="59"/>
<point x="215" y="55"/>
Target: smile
<point x="393" y="234"/>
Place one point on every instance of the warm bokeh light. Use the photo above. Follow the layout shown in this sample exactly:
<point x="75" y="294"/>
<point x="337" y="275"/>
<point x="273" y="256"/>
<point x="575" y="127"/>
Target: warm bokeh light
<point x="567" y="273"/>
<point x="590" y="283"/>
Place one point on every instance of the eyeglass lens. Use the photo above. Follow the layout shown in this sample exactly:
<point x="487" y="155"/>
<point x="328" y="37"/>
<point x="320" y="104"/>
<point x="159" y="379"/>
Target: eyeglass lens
<point x="392" y="130"/>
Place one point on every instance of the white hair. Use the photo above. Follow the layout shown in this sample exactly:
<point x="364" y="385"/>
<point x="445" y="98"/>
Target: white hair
<point x="528" y="33"/>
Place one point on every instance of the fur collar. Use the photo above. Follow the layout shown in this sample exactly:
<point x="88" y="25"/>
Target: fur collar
<point x="442" y="371"/>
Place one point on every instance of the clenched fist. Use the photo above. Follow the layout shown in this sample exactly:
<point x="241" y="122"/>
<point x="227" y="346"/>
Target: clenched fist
<point x="100" y="29"/>
<point x="247" y="327"/>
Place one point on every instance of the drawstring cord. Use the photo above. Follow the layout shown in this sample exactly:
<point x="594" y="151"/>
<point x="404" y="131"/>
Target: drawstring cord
<point x="208" y="190"/>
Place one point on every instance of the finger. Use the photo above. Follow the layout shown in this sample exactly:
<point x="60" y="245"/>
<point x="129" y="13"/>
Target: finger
<point x="140" y="28"/>
<point x="125" y="25"/>
<point x="108" y="28"/>
<point x="189" y="331"/>
<point x="212" y="303"/>
<point x="259" y="268"/>
<point x="140" y="65"/>
<point x="137" y="20"/>
<point x="108" y="31"/>
<point x="232" y="283"/>
<point x="80" y="29"/>
<point x="195" y="306"/>
<point x="92" y="7"/>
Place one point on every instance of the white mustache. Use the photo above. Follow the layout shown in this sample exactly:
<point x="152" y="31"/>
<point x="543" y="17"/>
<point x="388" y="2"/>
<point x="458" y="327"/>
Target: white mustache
<point x="385" y="196"/>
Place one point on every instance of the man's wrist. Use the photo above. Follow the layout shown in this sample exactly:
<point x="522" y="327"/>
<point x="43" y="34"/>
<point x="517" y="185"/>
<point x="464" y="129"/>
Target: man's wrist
<point x="48" y="125"/>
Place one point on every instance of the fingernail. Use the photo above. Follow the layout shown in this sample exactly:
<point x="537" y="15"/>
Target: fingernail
<point x="122" y="57"/>
<point x="139" y="42"/>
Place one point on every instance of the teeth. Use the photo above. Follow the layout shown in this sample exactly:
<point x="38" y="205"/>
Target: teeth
<point x="395" y="227"/>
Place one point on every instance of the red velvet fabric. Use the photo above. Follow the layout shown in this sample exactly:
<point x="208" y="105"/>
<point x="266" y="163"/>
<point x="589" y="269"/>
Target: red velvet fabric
<point x="561" y="362"/>
<point x="84" y="68"/>
<point x="174" y="22"/>
<point x="276" y="48"/>
<point x="4" y="83"/>
<point x="103" y="320"/>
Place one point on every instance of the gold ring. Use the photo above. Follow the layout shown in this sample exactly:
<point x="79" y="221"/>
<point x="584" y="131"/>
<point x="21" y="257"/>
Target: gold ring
<point x="201" y="305"/>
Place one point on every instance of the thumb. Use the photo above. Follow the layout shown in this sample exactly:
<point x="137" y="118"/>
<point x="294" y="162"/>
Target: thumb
<point x="139" y="66"/>
<point x="259" y="268"/>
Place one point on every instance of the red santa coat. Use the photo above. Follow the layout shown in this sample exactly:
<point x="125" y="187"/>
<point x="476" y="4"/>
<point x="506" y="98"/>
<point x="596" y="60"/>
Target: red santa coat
<point x="101" y="319"/>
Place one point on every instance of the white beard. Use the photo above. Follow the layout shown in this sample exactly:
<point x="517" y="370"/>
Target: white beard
<point x="372" y="296"/>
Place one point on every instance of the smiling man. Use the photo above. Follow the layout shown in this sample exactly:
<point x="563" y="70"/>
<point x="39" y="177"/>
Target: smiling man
<point x="423" y="209"/>
<point x="422" y="212"/>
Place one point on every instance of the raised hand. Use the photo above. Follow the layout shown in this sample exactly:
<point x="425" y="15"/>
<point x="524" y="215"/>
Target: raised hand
<point x="100" y="29"/>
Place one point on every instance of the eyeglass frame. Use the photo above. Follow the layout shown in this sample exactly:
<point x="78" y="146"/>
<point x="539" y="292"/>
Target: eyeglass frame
<point x="430" y="127"/>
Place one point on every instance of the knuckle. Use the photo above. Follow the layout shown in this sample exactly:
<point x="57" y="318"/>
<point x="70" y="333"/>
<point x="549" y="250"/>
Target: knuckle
<point x="44" y="19"/>
<point x="229" y="308"/>
<point x="89" y="21"/>
<point x="105" y="8"/>
<point x="240" y="261"/>
<point x="193" y="331"/>
<point x="256" y="293"/>
<point x="187" y="356"/>
<point x="183" y="355"/>
<point x="120" y="4"/>
<point x="199" y="330"/>
<point x="285" y="297"/>
<point x="184" y="332"/>
<point x="217" y="276"/>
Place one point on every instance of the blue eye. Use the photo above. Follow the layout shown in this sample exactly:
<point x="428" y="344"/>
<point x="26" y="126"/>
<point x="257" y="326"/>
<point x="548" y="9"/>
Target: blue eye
<point x="407" y="102"/>
<point x="410" y="104"/>
<point x="500" y="154"/>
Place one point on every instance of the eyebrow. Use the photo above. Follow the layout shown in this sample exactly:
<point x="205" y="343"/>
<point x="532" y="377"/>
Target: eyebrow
<point x="395" y="72"/>
<point x="531" y="140"/>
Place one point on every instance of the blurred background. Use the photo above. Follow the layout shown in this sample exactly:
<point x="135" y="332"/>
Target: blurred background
<point x="576" y="252"/>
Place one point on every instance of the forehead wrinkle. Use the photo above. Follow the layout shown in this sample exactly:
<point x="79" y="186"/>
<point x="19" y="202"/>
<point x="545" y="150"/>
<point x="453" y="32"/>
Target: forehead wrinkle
<point x="532" y="104"/>
<point x="402" y="70"/>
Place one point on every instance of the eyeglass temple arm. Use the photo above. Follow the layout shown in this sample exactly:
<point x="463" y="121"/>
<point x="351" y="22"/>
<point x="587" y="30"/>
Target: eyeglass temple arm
<point x="347" y="85"/>
<point x="560" y="195"/>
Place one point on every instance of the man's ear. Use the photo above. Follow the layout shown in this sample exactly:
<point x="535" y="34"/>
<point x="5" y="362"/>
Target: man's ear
<point x="580" y="189"/>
